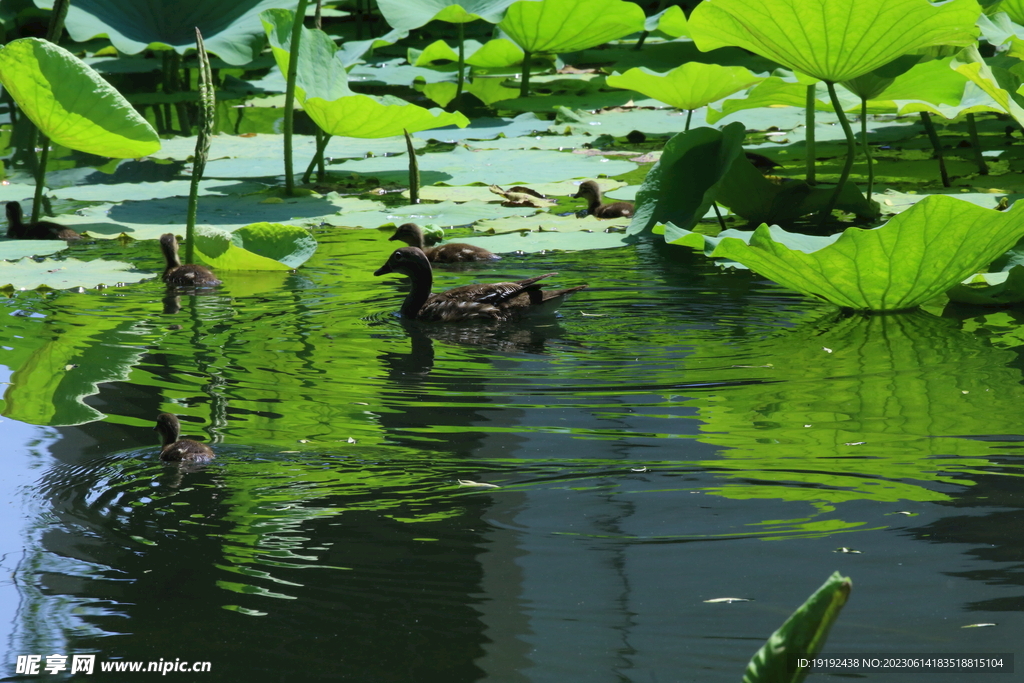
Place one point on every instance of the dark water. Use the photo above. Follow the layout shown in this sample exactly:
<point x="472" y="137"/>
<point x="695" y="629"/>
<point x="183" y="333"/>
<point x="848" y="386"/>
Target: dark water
<point x="677" y="435"/>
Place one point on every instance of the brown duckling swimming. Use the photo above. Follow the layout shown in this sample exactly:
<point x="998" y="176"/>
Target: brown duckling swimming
<point x="590" y="191"/>
<point x="492" y="301"/>
<point x="453" y="252"/>
<point x="178" y="275"/>
<point x="40" y="230"/>
<point x="179" y="450"/>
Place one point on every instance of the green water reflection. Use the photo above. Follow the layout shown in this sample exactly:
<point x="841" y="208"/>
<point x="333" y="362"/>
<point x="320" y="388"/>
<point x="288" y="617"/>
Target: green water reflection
<point x="669" y="406"/>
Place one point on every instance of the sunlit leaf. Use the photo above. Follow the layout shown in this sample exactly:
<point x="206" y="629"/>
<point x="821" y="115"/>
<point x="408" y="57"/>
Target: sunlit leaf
<point x="559" y="25"/>
<point x="689" y="86"/>
<point x="918" y="254"/>
<point x="11" y="250"/>
<point x="30" y="274"/>
<point x="999" y="84"/>
<point x="991" y="289"/>
<point x="260" y="246"/>
<point x="804" y="633"/>
<point x="671" y="21"/>
<point x="71" y="103"/>
<point x="834" y="40"/>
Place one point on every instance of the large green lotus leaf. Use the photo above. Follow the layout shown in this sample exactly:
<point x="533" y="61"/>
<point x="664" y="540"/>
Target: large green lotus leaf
<point x="1014" y="8"/>
<point x="496" y="54"/>
<point x="796" y="241"/>
<point x="550" y="222"/>
<point x="688" y="86"/>
<point x="671" y="22"/>
<point x="491" y="90"/>
<point x="229" y="29"/>
<point x="919" y="254"/>
<point x="681" y="187"/>
<point x="409" y="14"/>
<point x="805" y="632"/>
<point x="119" y="192"/>
<point x="30" y="274"/>
<point x="480" y="193"/>
<point x="12" y="250"/>
<point x="260" y="246"/>
<point x="999" y="84"/>
<point x="322" y="88"/>
<point x="834" y="40"/>
<point x="570" y="25"/>
<point x="462" y="166"/>
<point x="929" y="83"/>
<point x="272" y="146"/>
<point x="536" y="242"/>
<point x="775" y="91"/>
<point x="447" y="214"/>
<point x="991" y="289"/>
<point x="71" y="103"/>
<point x="999" y="28"/>
<point x="152" y="218"/>
<point x="973" y="100"/>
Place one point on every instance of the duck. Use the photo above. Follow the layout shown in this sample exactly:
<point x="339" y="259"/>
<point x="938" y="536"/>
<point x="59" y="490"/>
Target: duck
<point x="491" y="301"/>
<point x="590" y="191"/>
<point x="40" y="230"/>
<point x="179" y="450"/>
<point x="453" y="252"/>
<point x="178" y="275"/>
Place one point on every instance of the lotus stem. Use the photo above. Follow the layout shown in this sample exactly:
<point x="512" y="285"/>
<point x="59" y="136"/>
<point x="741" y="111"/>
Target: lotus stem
<point x="317" y="18"/>
<point x="933" y="136"/>
<point x="462" y="66"/>
<point x="721" y="221"/>
<point x="207" y="116"/>
<point x="640" y="43"/>
<point x="689" y="115"/>
<point x="851" y="151"/>
<point x="414" y="170"/>
<point x="524" y="84"/>
<point x="289" y="97"/>
<point x="317" y="161"/>
<point x="53" y="33"/>
<point x="972" y="128"/>
<point x="864" y="141"/>
<point x="809" y="134"/>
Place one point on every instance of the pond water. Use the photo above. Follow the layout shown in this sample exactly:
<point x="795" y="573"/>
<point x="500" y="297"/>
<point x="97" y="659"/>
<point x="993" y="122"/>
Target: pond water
<point x="675" y="436"/>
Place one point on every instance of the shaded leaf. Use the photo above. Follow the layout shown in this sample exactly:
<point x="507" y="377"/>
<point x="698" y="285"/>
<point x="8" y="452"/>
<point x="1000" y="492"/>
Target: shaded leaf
<point x="410" y="14"/>
<point x="555" y="25"/>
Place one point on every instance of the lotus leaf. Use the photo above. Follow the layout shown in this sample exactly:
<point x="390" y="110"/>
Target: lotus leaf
<point x="834" y="40"/>
<point x="805" y="631"/>
<point x="71" y="103"/>
<point x="681" y="187"/>
<point x="671" y="22"/>
<point x="446" y="214"/>
<point x="991" y="289"/>
<point x="796" y="241"/>
<point x="1014" y="8"/>
<point x="688" y="86"/>
<point x="229" y="28"/>
<point x="12" y="250"/>
<point x="773" y="92"/>
<point x="556" y="26"/>
<point x="322" y="88"/>
<point x="918" y="254"/>
<point x="462" y="166"/>
<point x="31" y="274"/>
<point x="549" y="222"/>
<point x="539" y="242"/>
<point x="496" y="54"/>
<point x="998" y="84"/>
<point x="410" y="14"/>
<point x="260" y="246"/>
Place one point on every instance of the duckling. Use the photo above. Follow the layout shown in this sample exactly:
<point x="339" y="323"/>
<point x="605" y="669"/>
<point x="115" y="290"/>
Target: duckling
<point x="492" y="301"/>
<point x="40" y="230"/>
<point x="592" y="193"/>
<point x="179" y="450"/>
<point x="178" y="275"/>
<point x="453" y="252"/>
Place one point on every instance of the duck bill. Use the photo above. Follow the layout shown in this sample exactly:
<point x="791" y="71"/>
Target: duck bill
<point x="384" y="270"/>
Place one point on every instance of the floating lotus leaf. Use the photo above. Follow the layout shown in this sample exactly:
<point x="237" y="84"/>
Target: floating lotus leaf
<point x="918" y="254"/>
<point x="71" y="103"/>
<point x="688" y="86"/>
<point x="534" y="242"/>
<point x="409" y="14"/>
<point x="31" y="274"/>
<point x="260" y="246"/>
<point x="12" y="250"/>
<point x="680" y="187"/>
<point x="570" y="25"/>
<point x="322" y="88"/>
<point x="834" y="40"/>
<point x="229" y="28"/>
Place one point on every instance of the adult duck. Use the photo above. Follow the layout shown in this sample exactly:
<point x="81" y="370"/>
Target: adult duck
<point x="179" y="450"/>
<point x="40" y="230"/>
<point x="590" y="191"/>
<point x="453" y="252"/>
<point x="492" y="301"/>
<point x="178" y="275"/>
